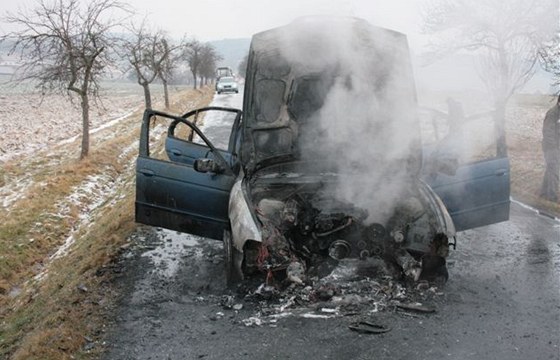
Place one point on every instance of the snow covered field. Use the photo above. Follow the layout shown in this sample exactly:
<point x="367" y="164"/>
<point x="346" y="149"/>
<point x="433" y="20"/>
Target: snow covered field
<point x="31" y="122"/>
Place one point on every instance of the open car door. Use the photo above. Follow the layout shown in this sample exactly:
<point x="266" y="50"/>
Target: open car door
<point x="464" y="169"/>
<point x="172" y="191"/>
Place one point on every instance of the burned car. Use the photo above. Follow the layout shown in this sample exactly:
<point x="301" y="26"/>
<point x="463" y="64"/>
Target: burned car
<point x="324" y="163"/>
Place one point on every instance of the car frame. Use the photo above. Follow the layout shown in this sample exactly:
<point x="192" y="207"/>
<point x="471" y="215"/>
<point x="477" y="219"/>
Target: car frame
<point x="219" y="194"/>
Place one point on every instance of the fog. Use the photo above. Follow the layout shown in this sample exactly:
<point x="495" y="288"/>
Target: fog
<point x="226" y="19"/>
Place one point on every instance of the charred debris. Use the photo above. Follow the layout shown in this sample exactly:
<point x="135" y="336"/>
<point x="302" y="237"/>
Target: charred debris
<point x="318" y="251"/>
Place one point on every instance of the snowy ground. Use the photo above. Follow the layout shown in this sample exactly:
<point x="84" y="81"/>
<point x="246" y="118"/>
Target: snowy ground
<point x="30" y="122"/>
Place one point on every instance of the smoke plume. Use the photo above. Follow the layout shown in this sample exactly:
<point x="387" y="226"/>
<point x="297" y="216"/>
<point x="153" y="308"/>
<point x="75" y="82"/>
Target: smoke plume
<point x="366" y="127"/>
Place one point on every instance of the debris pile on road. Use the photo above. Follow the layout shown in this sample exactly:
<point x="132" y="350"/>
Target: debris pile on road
<point x="347" y="291"/>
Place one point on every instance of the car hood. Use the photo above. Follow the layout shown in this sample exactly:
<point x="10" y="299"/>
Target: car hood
<point x="335" y="94"/>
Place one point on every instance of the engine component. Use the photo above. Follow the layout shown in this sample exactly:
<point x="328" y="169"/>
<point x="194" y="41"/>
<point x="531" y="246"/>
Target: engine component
<point x="270" y="208"/>
<point x="410" y="267"/>
<point x="301" y="229"/>
<point x="339" y="249"/>
<point x="374" y="237"/>
<point x="336" y="229"/>
<point x="295" y="272"/>
<point x="289" y="214"/>
<point x="375" y="233"/>
<point x="398" y="236"/>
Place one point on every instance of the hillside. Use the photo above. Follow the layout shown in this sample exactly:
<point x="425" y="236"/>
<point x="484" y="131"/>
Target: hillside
<point x="232" y="51"/>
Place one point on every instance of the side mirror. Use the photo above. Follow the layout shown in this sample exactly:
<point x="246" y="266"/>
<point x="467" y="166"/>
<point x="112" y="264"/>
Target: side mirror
<point x="207" y="165"/>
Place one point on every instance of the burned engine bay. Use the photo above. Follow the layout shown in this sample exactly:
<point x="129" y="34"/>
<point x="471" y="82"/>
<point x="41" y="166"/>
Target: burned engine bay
<point x="306" y="231"/>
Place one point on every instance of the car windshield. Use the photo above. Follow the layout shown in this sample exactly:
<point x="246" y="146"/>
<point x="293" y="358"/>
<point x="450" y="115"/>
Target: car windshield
<point x="308" y="96"/>
<point x="227" y="79"/>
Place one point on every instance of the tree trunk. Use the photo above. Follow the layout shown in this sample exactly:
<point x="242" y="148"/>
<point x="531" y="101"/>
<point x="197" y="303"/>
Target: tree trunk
<point x="501" y="99"/>
<point x="165" y="93"/>
<point x="85" y="125"/>
<point x="500" y="128"/>
<point x="147" y="96"/>
<point x="194" y="79"/>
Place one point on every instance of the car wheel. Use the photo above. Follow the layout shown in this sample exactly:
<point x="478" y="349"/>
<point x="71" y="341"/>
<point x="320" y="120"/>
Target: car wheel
<point x="232" y="257"/>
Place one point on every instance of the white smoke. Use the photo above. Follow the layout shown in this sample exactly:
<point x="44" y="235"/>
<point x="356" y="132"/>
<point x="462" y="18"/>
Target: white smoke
<point x="367" y="125"/>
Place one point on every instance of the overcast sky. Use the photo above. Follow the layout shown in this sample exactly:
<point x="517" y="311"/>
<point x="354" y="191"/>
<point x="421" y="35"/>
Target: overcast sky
<point x="226" y="19"/>
<point x="222" y="19"/>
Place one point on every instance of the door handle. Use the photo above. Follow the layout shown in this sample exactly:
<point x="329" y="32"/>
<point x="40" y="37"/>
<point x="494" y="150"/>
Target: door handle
<point x="176" y="152"/>
<point x="500" y="172"/>
<point x="147" y="172"/>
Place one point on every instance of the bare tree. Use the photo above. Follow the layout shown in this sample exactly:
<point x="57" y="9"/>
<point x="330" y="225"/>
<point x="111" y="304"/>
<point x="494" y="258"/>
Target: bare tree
<point x="209" y="58"/>
<point x="172" y="58"/>
<point x="166" y="70"/>
<point x="508" y="36"/>
<point x="202" y="59"/>
<point x="146" y="51"/>
<point x="551" y="60"/>
<point x="193" y="55"/>
<point x="65" y="48"/>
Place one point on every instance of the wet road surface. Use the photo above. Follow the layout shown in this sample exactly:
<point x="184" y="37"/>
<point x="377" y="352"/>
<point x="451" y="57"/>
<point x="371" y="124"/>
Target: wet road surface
<point x="502" y="301"/>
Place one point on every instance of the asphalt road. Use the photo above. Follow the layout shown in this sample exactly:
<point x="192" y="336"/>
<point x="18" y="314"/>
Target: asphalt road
<point x="502" y="301"/>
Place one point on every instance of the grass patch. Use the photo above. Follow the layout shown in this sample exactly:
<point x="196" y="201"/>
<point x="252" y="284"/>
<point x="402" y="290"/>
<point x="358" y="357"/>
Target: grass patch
<point x="34" y="225"/>
<point x="53" y="316"/>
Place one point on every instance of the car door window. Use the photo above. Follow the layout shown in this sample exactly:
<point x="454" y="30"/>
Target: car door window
<point x="183" y="144"/>
<point x="462" y="166"/>
<point x="466" y="139"/>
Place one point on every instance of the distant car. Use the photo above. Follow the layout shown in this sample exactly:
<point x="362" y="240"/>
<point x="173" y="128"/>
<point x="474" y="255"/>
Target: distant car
<point x="324" y="163"/>
<point x="227" y="84"/>
<point x="223" y="71"/>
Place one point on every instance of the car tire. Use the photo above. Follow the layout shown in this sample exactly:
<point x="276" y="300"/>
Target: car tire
<point x="231" y="258"/>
